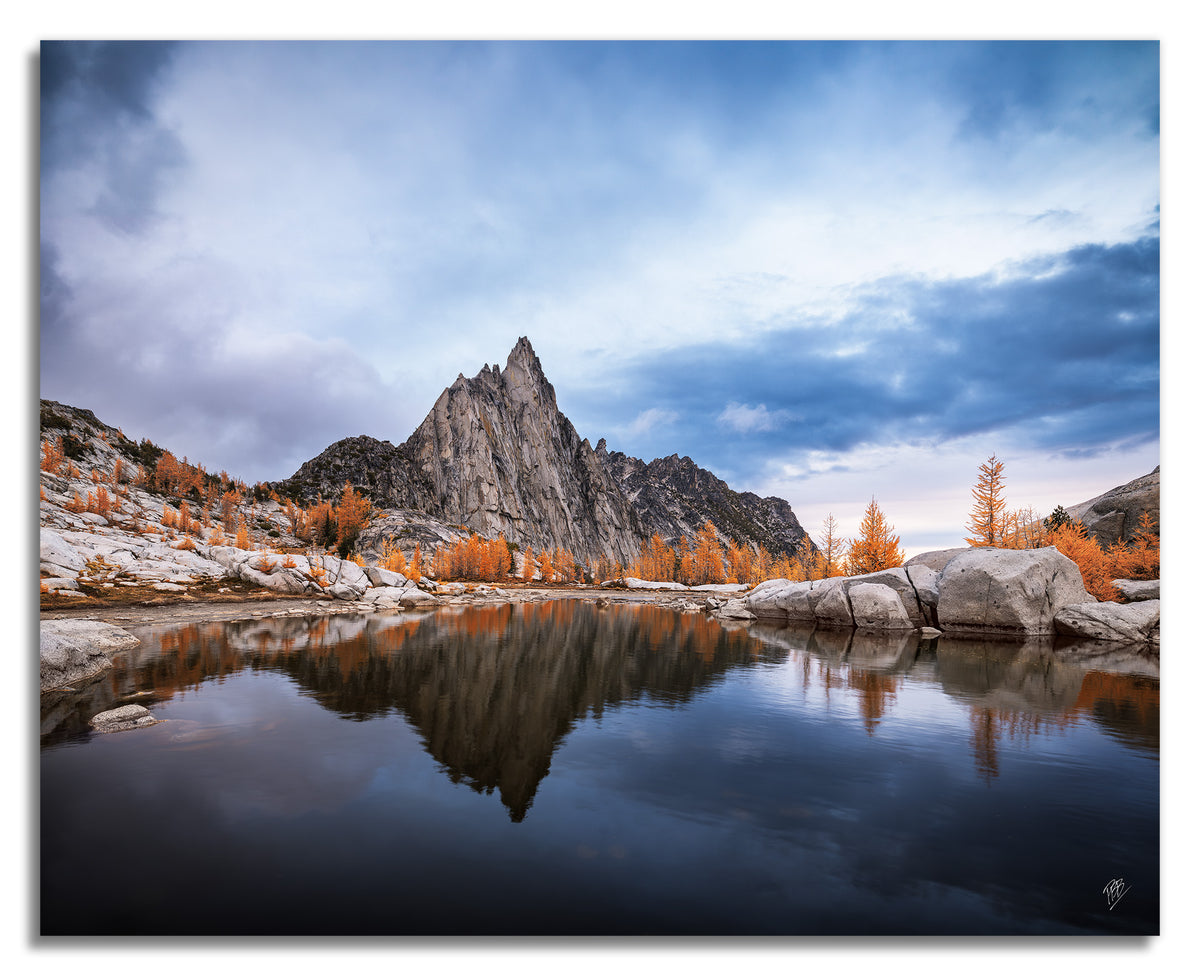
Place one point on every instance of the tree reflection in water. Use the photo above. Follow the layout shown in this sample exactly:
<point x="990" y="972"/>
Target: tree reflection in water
<point x="493" y="691"/>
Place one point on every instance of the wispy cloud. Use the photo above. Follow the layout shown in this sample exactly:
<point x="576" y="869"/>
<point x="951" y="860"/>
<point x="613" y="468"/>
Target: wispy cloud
<point x="743" y="418"/>
<point x="655" y="420"/>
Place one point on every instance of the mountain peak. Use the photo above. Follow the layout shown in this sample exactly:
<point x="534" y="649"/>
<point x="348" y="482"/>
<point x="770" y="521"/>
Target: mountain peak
<point x="496" y="455"/>
<point x="523" y="374"/>
<point x="523" y="357"/>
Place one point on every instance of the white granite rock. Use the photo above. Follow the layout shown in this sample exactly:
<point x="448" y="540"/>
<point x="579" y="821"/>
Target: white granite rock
<point x="878" y="607"/>
<point x="1134" y="623"/>
<point x="1007" y="592"/>
<point x="75" y="649"/>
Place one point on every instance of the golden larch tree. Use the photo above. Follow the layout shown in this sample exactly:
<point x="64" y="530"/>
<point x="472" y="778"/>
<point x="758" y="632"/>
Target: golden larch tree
<point x="877" y="546"/>
<point x="1145" y="547"/>
<point x="663" y="558"/>
<point x="242" y="539"/>
<point x="989" y="523"/>
<point x="53" y="456"/>
<point x="353" y="512"/>
<point x="1095" y="565"/>
<point x="710" y="567"/>
<point x="687" y="561"/>
<point x="391" y="557"/>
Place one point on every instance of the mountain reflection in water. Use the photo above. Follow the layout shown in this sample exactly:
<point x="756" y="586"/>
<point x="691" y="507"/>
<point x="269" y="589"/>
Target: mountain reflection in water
<point x="628" y="704"/>
<point x="493" y="690"/>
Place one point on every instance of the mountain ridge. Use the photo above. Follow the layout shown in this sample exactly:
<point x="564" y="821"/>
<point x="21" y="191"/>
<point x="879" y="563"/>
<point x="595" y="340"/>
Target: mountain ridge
<point x="496" y="455"/>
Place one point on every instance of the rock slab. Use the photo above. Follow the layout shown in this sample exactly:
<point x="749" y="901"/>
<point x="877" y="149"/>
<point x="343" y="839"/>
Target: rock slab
<point x="123" y="718"/>
<point x="1007" y="592"/>
<point x="1128" y="623"/>
<point x="74" y="650"/>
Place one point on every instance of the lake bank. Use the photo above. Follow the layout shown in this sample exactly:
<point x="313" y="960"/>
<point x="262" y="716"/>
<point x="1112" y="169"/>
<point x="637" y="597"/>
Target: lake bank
<point x="264" y="605"/>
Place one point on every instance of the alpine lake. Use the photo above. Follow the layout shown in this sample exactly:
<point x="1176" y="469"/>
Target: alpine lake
<point x="568" y="768"/>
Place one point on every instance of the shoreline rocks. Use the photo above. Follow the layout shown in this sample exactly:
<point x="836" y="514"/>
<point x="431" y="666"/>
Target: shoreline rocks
<point x="993" y="592"/>
<point x="76" y="650"/>
<point x="987" y="593"/>
<point x="1132" y="623"/>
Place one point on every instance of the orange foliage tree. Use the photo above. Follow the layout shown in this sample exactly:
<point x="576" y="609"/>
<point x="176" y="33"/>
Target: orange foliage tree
<point x="743" y="564"/>
<point x="663" y="559"/>
<point x="1024" y="529"/>
<point x="242" y="539"/>
<point x="686" y="573"/>
<point x="877" y="546"/>
<point x="1139" y="560"/>
<point x="229" y="503"/>
<point x="53" y="456"/>
<point x="353" y="513"/>
<point x="564" y="565"/>
<point x="392" y="558"/>
<point x="709" y="566"/>
<point x="1095" y="565"/>
<point x="989" y="521"/>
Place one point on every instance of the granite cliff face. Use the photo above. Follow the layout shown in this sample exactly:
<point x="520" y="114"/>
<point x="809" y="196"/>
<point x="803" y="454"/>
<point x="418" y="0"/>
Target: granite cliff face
<point x="1115" y="514"/>
<point x="496" y="455"/>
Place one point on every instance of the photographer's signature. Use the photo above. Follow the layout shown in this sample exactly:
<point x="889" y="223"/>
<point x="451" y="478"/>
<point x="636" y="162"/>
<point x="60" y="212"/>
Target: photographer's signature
<point x="1114" y="891"/>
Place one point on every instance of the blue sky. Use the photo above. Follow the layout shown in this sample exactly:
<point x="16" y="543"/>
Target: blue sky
<point x="826" y="271"/>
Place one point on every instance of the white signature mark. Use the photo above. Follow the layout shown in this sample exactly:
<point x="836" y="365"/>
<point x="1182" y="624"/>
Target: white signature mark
<point x="1114" y="891"/>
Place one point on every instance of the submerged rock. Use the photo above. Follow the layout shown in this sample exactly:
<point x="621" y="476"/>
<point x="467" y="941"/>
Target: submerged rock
<point x="734" y="610"/>
<point x="123" y="718"/>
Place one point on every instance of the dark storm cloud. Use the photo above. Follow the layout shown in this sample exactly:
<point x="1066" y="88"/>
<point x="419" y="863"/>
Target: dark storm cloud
<point x="97" y="113"/>
<point x="121" y="73"/>
<point x="1062" y="352"/>
<point x="54" y="295"/>
<point x="1009" y="86"/>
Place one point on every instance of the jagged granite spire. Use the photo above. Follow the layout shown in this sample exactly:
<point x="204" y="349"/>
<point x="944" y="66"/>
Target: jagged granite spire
<point x="496" y="455"/>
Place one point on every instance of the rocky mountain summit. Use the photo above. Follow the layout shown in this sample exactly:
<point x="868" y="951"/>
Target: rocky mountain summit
<point x="673" y="495"/>
<point x="496" y="455"/>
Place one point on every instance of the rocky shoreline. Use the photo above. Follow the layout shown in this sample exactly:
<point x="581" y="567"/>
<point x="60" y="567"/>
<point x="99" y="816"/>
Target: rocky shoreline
<point x="994" y="594"/>
<point x="76" y="641"/>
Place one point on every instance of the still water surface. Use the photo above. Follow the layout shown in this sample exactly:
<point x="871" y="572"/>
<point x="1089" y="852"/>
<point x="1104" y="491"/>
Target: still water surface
<point x="559" y="768"/>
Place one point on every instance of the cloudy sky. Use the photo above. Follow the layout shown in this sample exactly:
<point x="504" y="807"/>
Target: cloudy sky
<point x="826" y="271"/>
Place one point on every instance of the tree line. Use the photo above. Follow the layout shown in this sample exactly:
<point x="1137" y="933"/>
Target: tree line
<point x="696" y="559"/>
